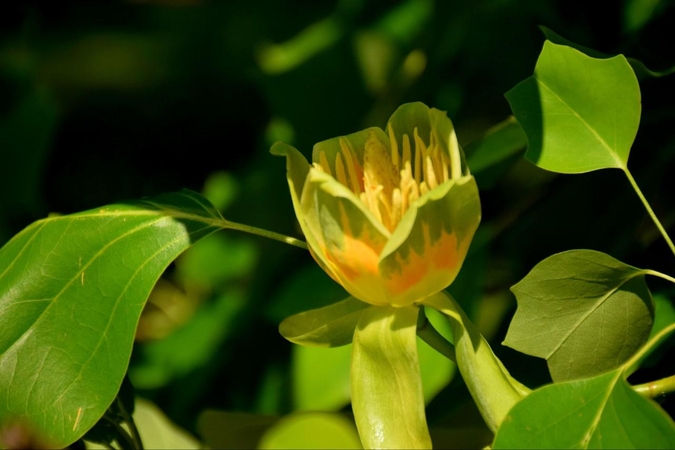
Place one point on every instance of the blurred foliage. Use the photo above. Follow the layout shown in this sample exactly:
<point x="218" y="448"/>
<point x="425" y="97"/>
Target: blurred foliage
<point x="101" y="102"/>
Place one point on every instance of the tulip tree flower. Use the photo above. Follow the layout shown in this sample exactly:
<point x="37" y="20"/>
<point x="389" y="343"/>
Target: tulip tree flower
<point x="389" y="214"/>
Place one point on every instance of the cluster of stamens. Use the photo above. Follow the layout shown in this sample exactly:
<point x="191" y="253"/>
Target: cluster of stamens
<point x="390" y="181"/>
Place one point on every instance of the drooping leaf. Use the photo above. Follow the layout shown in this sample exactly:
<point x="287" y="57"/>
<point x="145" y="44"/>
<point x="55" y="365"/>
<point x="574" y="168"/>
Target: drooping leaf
<point x="583" y="311"/>
<point x="598" y="412"/>
<point x="330" y="326"/>
<point x="493" y="389"/>
<point x="579" y="113"/>
<point x="71" y="292"/>
<point x="387" y="397"/>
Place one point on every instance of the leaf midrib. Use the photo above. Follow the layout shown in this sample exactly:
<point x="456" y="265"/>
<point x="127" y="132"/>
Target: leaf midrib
<point x="598" y="303"/>
<point x="600" y="139"/>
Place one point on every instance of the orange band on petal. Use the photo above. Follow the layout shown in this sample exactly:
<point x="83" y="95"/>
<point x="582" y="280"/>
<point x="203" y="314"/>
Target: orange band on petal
<point x="359" y="255"/>
<point x="439" y="260"/>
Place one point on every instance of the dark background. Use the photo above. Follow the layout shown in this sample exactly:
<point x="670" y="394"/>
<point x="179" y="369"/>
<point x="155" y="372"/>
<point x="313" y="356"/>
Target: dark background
<point x="108" y="101"/>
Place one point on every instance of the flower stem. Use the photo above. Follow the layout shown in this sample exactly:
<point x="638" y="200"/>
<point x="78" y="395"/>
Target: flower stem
<point x="656" y="388"/>
<point x="429" y="334"/>
<point x="264" y="233"/>
<point x="649" y="209"/>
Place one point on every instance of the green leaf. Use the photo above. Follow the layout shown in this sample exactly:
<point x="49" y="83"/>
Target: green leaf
<point x="330" y="326"/>
<point x="579" y="113"/>
<point x="311" y="431"/>
<point x="598" y="412"/>
<point x="71" y="292"/>
<point x="387" y="397"/>
<point x="583" y="311"/>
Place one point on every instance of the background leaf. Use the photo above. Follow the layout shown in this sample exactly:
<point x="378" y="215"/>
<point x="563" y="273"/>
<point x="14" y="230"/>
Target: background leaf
<point x="320" y="378"/>
<point x="579" y="113"/>
<point x="583" y="311"/>
<point x="311" y="431"/>
<point x="72" y="290"/>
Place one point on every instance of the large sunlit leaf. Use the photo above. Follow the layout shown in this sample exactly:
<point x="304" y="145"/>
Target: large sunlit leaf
<point x="583" y="311"/>
<point x="579" y="113"/>
<point x="71" y="292"/>
<point x="387" y="397"/>
<point x="599" y="412"/>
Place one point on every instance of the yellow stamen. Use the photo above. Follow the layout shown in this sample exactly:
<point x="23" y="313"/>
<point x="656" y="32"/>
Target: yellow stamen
<point x="350" y="159"/>
<point x="394" y="147"/>
<point x="389" y="181"/>
<point x="324" y="163"/>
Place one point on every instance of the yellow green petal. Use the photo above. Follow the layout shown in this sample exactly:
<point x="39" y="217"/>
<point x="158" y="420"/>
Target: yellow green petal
<point x="356" y="141"/>
<point x="426" y="251"/>
<point x="387" y="397"/>
<point x="297" y="169"/>
<point x="330" y="326"/>
<point x="348" y="237"/>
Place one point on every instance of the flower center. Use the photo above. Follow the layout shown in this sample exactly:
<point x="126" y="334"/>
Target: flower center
<point x="390" y="181"/>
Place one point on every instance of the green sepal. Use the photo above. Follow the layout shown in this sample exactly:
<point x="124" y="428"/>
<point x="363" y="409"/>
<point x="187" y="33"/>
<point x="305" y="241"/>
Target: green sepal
<point x="330" y="326"/>
<point x="387" y="397"/>
<point x="493" y="389"/>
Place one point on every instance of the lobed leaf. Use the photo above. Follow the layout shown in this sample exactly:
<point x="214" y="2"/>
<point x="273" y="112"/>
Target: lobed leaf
<point x="579" y="113"/>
